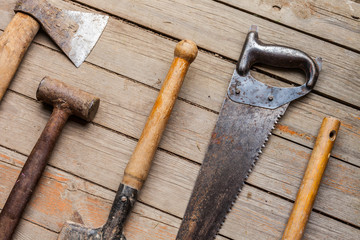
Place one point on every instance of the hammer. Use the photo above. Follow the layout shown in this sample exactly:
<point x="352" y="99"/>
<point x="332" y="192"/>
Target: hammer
<point x="310" y="184"/>
<point x="66" y="100"/>
<point x="138" y="167"/>
<point x="76" y="33"/>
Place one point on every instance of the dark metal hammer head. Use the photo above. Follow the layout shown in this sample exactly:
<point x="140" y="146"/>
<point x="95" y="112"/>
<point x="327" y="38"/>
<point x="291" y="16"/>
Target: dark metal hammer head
<point x="76" y="33"/>
<point x="80" y="103"/>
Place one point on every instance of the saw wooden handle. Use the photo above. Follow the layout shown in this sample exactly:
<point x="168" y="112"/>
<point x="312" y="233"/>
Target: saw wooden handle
<point x="13" y="44"/>
<point x="138" y="167"/>
<point x="311" y="181"/>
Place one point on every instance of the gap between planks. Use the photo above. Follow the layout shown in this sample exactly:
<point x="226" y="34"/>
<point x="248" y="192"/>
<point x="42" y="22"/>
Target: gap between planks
<point x="284" y="25"/>
<point x="217" y="55"/>
<point x="176" y="155"/>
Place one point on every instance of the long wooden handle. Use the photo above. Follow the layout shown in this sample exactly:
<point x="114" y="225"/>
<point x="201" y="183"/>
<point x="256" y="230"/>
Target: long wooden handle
<point x="138" y="167"/>
<point x="31" y="173"/>
<point x="13" y="44"/>
<point x="311" y="181"/>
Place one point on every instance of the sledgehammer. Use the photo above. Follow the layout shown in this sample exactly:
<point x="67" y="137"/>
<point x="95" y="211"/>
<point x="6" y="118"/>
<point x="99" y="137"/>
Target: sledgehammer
<point x="138" y="167"/>
<point x="66" y="101"/>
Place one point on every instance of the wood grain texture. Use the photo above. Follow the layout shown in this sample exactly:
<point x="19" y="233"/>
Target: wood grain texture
<point x="171" y="177"/>
<point x="14" y="42"/>
<point x="124" y="106"/>
<point x="305" y="198"/>
<point x="127" y="67"/>
<point x="333" y="20"/>
<point x="61" y="196"/>
<point x="224" y="31"/>
<point x="143" y="56"/>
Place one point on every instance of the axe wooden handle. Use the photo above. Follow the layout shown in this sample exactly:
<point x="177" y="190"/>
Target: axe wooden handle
<point x="13" y="44"/>
<point x="138" y="167"/>
<point x="311" y="181"/>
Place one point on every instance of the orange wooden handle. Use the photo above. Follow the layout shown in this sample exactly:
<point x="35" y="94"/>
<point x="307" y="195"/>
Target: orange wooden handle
<point x="311" y="181"/>
<point x="13" y="44"/>
<point x="138" y="167"/>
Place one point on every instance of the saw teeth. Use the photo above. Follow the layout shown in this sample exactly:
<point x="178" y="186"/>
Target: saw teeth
<point x="249" y="171"/>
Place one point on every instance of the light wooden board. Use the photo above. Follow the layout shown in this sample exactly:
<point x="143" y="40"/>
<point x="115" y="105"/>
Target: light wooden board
<point x="61" y="196"/>
<point x="171" y="178"/>
<point x="126" y="70"/>
<point x="197" y="78"/>
<point x="333" y="20"/>
<point x="223" y="31"/>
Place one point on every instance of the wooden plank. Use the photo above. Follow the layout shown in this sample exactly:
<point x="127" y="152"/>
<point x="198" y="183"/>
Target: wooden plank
<point x="124" y="106"/>
<point x="223" y="31"/>
<point x="61" y="196"/>
<point x="29" y="231"/>
<point x="333" y="20"/>
<point x="171" y="177"/>
<point x="205" y="85"/>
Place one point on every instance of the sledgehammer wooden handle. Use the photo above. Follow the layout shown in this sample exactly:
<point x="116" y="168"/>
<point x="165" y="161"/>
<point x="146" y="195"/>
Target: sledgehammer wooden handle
<point x="13" y="44"/>
<point x="138" y="167"/>
<point x="311" y="180"/>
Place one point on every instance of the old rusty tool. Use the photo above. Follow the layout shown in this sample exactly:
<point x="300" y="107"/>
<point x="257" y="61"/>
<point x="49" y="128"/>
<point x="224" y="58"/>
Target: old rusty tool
<point x="76" y="33"/>
<point x="138" y="167"/>
<point x="310" y="184"/>
<point x="66" y="100"/>
<point x="248" y="114"/>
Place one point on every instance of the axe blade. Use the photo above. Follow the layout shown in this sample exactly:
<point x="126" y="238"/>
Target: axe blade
<point x="84" y="39"/>
<point x="76" y="33"/>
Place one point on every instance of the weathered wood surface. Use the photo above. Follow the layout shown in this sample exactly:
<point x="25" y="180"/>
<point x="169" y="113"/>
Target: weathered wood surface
<point x="126" y="70"/>
<point x="71" y="198"/>
<point x="223" y="31"/>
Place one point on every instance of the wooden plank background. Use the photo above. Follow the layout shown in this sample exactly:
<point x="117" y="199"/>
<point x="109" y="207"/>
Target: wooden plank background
<point x="126" y="69"/>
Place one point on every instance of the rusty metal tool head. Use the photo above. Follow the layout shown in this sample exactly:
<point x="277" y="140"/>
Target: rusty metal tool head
<point x="247" y="117"/>
<point x="76" y="33"/>
<point x="66" y="100"/>
<point x="138" y="167"/>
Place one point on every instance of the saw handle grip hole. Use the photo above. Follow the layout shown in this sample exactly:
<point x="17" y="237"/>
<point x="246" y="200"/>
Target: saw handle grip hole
<point x="257" y="52"/>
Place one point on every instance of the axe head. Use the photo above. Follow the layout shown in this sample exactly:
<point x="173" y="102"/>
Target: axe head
<point x="75" y="231"/>
<point x="76" y="33"/>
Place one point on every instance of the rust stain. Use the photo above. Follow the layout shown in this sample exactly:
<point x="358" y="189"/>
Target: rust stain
<point x="286" y="129"/>
<point x="58" y="177"/>
<point x="95" y="211"/>
<point x="48" y="201"/>
<point x="346" y="125"/>
<point x="12" y="160"/>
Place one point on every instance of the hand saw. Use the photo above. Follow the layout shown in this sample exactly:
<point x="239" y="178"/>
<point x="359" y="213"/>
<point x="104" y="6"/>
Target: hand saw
<point x="249" y="113"/>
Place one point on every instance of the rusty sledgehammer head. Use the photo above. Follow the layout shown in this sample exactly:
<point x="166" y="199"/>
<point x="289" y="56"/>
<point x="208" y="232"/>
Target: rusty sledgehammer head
<point x="57" y="93"/>
<point x="66" y="100"/>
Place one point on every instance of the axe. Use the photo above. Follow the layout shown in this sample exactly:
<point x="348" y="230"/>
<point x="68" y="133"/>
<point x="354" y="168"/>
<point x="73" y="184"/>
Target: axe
<point x="76" y="33"/>
<point x="138" y="167"/>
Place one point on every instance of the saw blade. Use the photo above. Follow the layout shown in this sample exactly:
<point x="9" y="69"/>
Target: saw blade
<point x="240" y="133"/>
